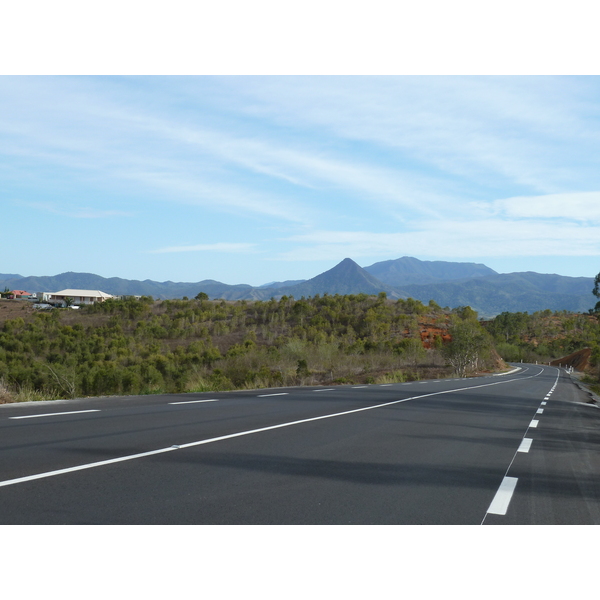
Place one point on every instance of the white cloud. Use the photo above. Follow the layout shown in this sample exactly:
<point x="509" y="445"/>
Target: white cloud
<point x="577" y="206"/>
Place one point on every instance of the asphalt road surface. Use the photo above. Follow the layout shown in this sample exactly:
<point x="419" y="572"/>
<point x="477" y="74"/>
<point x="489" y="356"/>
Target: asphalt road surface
<point x="520" y="448"/>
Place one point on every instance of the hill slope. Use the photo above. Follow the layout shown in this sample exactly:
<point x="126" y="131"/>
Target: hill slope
<point x="510" y="292"/>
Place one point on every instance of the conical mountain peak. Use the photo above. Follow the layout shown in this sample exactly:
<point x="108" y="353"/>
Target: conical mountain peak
<point x="346" y="277"/>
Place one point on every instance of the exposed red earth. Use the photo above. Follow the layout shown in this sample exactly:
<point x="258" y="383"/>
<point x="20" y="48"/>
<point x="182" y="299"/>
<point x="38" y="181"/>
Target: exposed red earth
<point x="578" y="360"/>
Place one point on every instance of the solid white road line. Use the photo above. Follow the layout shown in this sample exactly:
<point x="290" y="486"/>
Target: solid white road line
<point x="56" y="414"/>
<point x="503" y="496"/>
<point x="82" y="467"/>
<point x="525" y="445"/>
<point x="194" y="401"/>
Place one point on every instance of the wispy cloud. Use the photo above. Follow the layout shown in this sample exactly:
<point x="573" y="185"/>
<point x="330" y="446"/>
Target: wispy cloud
<point x="235" y="248"/>
<point x="301" y="166"/>
<point x="451" y="239"/>
<point x="494" y="130"/>
<point x="78" y="212"/>
<point x="197" y="161"/>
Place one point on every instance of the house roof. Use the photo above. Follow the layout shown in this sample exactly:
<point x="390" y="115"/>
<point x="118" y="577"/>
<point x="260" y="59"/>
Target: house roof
<point x="20" y="293"/>
<point x="83" y="293"/>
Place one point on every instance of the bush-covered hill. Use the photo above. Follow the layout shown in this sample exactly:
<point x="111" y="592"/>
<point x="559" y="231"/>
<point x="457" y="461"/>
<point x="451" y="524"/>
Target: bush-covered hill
<point x="544" y="335"/>
<point x="133" y="346"/>
<point x="558" y="338"/>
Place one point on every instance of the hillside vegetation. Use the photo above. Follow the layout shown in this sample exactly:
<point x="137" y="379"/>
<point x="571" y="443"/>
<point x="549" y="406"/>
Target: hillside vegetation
<point x="140" y="346"/>
<point x="131" y="346"/>
<point x="559" y="338"/>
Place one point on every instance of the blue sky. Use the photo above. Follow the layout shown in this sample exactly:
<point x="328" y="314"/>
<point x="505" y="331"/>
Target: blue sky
<point x="251" y="179"/>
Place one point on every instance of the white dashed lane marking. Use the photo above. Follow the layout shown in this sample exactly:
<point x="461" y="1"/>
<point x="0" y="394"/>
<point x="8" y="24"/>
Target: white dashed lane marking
<point x="525" y="445"/>
<point x="503" y="496"/>
<point x="56" y="414"/>
<point x="194" y="401"/>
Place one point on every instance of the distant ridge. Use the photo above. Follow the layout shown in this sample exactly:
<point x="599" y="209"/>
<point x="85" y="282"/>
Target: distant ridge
<point x="510" y="292"/>
<point x="279" y="284"/>
<point x="449" y="284"/>
<point x="407" y="270"/>
<point x="126" y="287"/>
<point x="13" y="276"/>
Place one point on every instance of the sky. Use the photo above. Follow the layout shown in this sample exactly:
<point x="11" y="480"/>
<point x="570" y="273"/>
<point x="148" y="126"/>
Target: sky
<point x="254" y="178"/>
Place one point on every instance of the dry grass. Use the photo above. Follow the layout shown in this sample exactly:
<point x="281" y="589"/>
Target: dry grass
<point x="6" y="395"/>
<point x="12" y="309"/>
<point x="24" y="393"/>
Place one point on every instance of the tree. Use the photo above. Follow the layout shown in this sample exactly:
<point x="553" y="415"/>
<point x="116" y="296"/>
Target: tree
<point x="509" y="326"/>
<point x="596" y="292"/>
<point x="465" y="312"/>
<point x="412" y="350"/>
<point x="468" y="346"/>
<point x="202" y="296"/>
<point x="68" y="301"/>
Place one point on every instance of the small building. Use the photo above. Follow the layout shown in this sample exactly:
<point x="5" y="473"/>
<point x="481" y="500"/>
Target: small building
<point x="78" y="297"/>
<point x="21" y="294"/>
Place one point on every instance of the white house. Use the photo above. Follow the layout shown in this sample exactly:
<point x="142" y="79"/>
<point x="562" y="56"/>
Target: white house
<point x="78" y="296"/>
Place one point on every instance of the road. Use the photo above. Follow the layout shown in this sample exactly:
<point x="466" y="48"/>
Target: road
<point x="519" y="448"/>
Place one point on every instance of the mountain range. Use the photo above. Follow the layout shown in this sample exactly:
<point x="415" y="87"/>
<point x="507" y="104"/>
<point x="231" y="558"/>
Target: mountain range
<point x="449" y="284"/>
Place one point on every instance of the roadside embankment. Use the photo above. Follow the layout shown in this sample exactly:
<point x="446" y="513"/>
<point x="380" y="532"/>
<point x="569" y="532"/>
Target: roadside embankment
<point x="577" y="378"/>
